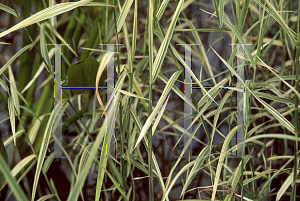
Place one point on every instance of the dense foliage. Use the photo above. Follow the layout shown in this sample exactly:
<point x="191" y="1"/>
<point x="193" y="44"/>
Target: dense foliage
<point x="147" y="100"/>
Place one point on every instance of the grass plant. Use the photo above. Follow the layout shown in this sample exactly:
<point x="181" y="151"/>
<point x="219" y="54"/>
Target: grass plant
<point x="149" y="76"/>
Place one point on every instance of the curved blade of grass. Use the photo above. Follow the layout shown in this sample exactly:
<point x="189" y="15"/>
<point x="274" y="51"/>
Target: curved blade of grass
<point x="14" y="57"/>
<point x="8" y="9"/>
<point x="156" y="167"/>
<point x="44" y="49"/>
<point x="44" y="146"/>
<point x="84" y="157"/>
<point x="13" y="90"/>
<point x="130" y="55"/>
<point x="274" y="98"/>
<point x="276" y="114"/>
<point x="203" y="109"/>
<point x="285" y="185"/>
<point x="103" y="159"/>
<point x="115" y="170"/>
<point x="199" y="115"/>
<point x="275" y="135"/>
<point x="242" y="15"/>
<point x="139" y="91"/>
<point x="3" y="153"/>
<point x="159" y="115"/>
<point x="186" y="167"/>
<point x="286" y="77"/>
<point x="46" y="197"/>
<point x="84" y="172"/>
<point x="165" y="44"/>
<point x="105" y="59"/>
<point x="174" y="124"/>
<point x="221" y="159"/>
<point x="216" y="117"/>
<point x="61" y="38"/>
<point x="241" y="40"/>
<point x="124" y="12"/>
<point x="51" y="11"/>
<point x="161" y="9"/>
<point x="48" y="162"/>
<point x="4" y="86"/>
<point x="98" y="4"/>
<point x="176" y="90"/>
<point x="244" y="198"/>
<point x="186" y="4"/>
<point x="136" y="163"/>
<point x="204" y="29"/>
<point x="181" y="154"/>
<point x="130" y="94"/>
<point x="16" y="189"/>
<point x="11" y="111"/>
<point x="40" y="70"/>
<point x="238" y="173"/>
<point x="204" y="57"/>
<point x="247" y="181"/>
<point x="11" y="138"/>
<point x="134" y="31"/>
<point x="119" y="85"/>
<point x="114" y="181"/>
<point x="18" y="167"/>
<point x="221" y="13"/>
<point x="199" y="161"/>
<point x="158" y="106"/>
<point x="267" y="183"/>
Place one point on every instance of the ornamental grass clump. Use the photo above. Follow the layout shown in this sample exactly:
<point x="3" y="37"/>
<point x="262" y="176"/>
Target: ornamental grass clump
<point x="149" y="100"/>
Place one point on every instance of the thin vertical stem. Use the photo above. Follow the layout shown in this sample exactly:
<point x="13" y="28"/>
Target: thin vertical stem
<point x="122" y="132"/>
<point x="150" y="45"/>
<point x="297" y="66"/>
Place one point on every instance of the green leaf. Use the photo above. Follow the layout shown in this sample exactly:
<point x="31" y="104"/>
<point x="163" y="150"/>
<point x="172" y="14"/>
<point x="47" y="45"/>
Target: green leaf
<point x="8" y="9"/>
<point x="47" y="13"/>
<point x="14" y="57"/>
<point x="221" y="159"/>
<point x="158" y="106"/>
<point x="14" y="91"/>
<point x="124" y="13"/>
<point x="3" y="153"/>
<point x="43" y="46"/>
<point x="10" y="139"/>
<point x="11" y="112"/>
<point x="85" y="170"/>
<point x="131" y="94"/>
<point x="159" y="115"/>
<point x="93" y="4"/>
<point x="165" y="43"/>
<point x="205" y="29"/>
<point x="198" y="162"/>
<point x="83" y="74"/>
<point x="44" y="146"/>
<point x="16" y="189"/>
<point x="46" y="197"/>
<point x="18" y="167"/>
<point x="161" y="9"/>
